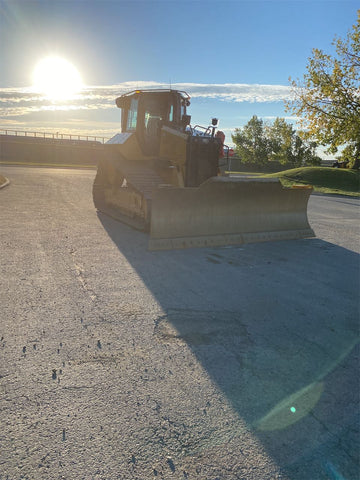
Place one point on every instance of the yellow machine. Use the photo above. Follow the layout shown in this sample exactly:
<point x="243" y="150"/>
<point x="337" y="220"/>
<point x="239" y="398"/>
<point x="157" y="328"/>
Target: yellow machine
<point x="162" y="176"/>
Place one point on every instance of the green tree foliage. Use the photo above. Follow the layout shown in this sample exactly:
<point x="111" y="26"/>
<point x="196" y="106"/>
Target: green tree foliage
<point x="328" y="97"/>
<point x="289" y="147"/>
<point x="251" y="142"/>
<point x="277" y="144"/>
<point x="281" y="138"/>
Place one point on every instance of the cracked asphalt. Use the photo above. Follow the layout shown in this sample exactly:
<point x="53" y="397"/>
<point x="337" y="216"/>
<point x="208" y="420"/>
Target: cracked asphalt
<point x="214" y="364"/>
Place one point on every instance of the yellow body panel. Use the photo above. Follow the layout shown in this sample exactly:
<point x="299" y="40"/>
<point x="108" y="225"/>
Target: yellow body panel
<point x="127" y="145"/>
<point x="173" y="146"/>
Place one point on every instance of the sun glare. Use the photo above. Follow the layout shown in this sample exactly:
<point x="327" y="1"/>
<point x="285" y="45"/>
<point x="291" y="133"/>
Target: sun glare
<point x="56" y="78"/>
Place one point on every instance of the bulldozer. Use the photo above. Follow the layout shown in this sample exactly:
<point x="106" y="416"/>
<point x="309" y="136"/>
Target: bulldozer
<point x="165" y="177"/>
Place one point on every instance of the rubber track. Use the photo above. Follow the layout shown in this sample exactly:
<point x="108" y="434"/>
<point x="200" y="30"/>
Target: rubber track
<point x="139" y="177"/>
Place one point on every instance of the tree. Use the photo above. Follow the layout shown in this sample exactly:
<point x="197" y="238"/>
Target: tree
<point x="278" y="143"/>
<point x="305" y="151"/>
<point x="281" y="138"/>
<point x="328" y="98"/>
<point x="252" y="145"/>
<point x="289" y="147"/>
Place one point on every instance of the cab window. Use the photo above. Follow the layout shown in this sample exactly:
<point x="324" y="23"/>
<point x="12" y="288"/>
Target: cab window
<point x="183" y="110"/>
<point x="171" y="113"/>
<point x="132" y="115"/>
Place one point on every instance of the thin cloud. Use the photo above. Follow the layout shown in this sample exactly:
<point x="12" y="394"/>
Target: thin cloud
<point x="16" y="102"/>
<point x="238" y="92"/>
<point x="230" y="92"/>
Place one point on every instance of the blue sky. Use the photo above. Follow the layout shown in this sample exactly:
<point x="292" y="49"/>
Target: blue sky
<point x="233" y="57"/>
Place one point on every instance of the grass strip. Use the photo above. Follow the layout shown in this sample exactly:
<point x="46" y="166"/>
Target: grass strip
<point x="54" y="165"/>
<point x="323" y="179"/>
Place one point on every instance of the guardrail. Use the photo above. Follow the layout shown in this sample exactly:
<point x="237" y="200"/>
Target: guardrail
<point x="55" y="136"/>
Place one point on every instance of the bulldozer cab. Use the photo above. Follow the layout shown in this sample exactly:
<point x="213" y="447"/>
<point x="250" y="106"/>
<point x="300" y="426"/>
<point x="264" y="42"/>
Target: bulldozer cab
<point x="145" y="112"/>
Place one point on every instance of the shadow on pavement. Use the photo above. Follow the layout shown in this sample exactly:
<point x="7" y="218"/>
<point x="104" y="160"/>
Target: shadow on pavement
<point x="275" y="325"/>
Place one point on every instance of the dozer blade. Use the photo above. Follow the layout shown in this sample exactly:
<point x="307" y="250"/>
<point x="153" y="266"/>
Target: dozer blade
<point x="228" y="211"/>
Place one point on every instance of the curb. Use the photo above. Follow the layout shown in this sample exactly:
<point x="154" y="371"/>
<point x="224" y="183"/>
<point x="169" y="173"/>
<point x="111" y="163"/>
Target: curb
<point x="336" y="195"/>
<point x="7" y="181"/>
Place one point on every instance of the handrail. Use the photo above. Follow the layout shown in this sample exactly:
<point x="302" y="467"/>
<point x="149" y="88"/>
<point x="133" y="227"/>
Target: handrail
<point x="55" y="136"/>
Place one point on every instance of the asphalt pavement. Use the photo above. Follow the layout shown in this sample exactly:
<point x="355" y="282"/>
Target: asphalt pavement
<point x="216" y="363"/>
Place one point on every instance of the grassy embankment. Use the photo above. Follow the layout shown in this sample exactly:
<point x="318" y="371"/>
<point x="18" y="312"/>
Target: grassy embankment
<point x="324" y="179"/>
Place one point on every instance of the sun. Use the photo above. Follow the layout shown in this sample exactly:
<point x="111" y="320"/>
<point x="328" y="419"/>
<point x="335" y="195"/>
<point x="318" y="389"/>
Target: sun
<point x="56" y="78"/>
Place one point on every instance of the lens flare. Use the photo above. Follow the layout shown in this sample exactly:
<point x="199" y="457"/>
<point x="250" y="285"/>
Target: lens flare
<point x="56" y="78"/>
